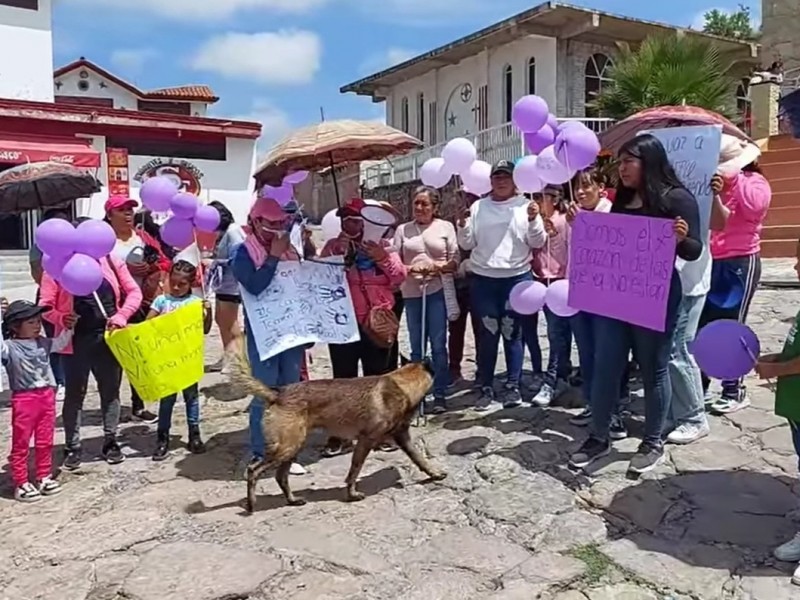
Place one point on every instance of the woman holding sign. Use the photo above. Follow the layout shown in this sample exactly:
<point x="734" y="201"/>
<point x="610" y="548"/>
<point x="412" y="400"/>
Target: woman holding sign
<point x="648" y="187"/>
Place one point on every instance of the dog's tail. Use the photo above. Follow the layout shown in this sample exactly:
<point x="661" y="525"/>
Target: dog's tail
<point x="241" y="376"/>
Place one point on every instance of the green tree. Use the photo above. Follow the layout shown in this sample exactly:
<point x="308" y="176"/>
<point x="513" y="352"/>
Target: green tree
<point x="669" y="70"/>
<point x="737" y="25"/>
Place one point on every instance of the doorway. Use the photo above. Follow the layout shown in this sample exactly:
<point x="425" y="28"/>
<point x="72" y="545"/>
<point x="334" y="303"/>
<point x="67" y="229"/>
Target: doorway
<point x="12" y="232"/>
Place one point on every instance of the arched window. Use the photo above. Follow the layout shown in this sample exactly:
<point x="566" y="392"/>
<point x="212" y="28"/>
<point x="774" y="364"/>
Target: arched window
<point x="531" y="75"/>
<point x="404" y="114"/>
<point x="508" y="93"/>
<point x="421" y="116"/>
<point x="743" y="104"/>
<point x="596" y="76"/>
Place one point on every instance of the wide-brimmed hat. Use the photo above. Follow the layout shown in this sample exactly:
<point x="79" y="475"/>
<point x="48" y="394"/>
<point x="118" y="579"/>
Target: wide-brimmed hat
<point x="735" y="154"/>
<point x="22" y="310"/>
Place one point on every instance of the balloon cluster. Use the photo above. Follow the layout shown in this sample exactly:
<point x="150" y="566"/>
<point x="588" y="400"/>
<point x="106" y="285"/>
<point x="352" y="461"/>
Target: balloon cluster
<point x="557" y="151"/>
<point x="283" y="194"/>
<point x="160" y="194"/>
<point x="529" y="297"/>
<point x="459" y="157"/>
<point x="71" y="255"/>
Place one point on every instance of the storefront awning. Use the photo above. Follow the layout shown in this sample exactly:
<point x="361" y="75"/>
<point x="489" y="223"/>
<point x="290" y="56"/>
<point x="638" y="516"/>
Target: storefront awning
<point x="18" y="150"/>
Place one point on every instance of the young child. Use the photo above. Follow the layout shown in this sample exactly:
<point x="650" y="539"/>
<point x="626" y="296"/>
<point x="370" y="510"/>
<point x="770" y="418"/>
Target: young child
<point x="550" y="264"/>
<point x="785" y="367"/>
<point x="26" y="357"/>
<point x="181" y="279"/>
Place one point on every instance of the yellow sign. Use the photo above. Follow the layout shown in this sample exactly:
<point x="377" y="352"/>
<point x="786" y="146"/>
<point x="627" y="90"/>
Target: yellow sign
<point x="162" y="356"/>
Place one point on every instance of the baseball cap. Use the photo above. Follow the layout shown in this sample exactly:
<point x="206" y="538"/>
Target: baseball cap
<point x="352" y="208"/>
<point x="117" y="202"/>
<point x="267" y="208"/>
<point x="503" y="167"/>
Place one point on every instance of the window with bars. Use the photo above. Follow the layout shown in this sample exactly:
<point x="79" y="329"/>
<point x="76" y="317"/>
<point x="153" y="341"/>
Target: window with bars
<point x="531" y="75"/>
<point x="483" y="108"/>
<point x="596" y="77"/>
<point x="508" y="92"/>
<point x="433" y="122"/>
<point x="404" y="121"/>
<point x="421" y="116"/>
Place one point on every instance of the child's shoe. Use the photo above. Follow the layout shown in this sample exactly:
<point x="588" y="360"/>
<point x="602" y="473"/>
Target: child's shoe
<point x="49" y="487"/>
<point x="196" y="445"/>
<point x="27" y="492"/>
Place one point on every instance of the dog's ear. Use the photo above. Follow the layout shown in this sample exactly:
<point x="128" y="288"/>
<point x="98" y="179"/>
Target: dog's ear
<point x="404" y="360"/>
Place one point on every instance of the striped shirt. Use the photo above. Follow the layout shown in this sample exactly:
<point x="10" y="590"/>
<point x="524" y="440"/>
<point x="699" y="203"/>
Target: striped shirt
<point x="27" y="362"/>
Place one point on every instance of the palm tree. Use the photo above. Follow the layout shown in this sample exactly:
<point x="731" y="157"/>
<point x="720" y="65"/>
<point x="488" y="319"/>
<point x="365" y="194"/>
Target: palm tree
<point x="669" y="70"/>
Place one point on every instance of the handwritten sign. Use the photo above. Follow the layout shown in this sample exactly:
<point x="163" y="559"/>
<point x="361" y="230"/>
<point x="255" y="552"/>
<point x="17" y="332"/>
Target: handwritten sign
<point x="305" y="303"/>
<point x="162" y="356"/>
<point x="694" y="154"/>
<point x="620" y="266"/>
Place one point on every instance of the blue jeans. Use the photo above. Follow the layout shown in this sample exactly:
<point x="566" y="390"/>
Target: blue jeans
<point x="530" y="338"/>
<point x="275" y="372"/>
<point x="489" y="297"/>
<point x="688" y="405"/>
<point x="559" y="337"/>
<point x="583" y="328"/>
<point x="166" y="405"/>
<point x="652" y="350"/>
<point x="435" y="332"/>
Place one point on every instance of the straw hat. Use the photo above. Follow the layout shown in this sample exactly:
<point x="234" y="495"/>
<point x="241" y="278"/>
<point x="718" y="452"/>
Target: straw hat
<point x="735" y="154"/>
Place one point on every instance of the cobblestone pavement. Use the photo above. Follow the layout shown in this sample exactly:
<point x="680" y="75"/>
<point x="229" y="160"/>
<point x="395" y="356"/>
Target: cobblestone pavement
<point x="510" y="522"/>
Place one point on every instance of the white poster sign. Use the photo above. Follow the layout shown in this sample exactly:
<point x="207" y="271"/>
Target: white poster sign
<point x="306" y="302"/>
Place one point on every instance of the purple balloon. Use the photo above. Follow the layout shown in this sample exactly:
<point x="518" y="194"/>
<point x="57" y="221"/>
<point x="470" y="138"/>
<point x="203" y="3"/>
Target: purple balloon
<point x="526" y="177"/>
<point x="539" y="140"/>
<point x="576" y="147"/>
<point x="96" y="238"/>
<point x="557" y="299"/>
<point x="296" y="177"/>
<point x="206" y="219"/>
<point x="157" y="192"/>
<point x="550" y="170"/>
<point x="527" y="297"/>
<point x="81" y="275"/>
<point x="184" y="206"/>
<point x="54" y="265"/>
<point x="56" y="237"/>
<point x="569" y="124"/>
<point x="530" y="113"/>
<point x="282" y="194"/>
<point x="177" y="232"/>
<point x="726" y="349"/>
<point x="552" y="121"/>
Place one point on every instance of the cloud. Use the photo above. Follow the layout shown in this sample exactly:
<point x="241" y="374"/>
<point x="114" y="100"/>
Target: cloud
<point x="287" y="57"/>
<point x="132" y="60"/>
<point x="203" y="10"/>
<point x="386" y="59"/>
<point x="275" y="121"/>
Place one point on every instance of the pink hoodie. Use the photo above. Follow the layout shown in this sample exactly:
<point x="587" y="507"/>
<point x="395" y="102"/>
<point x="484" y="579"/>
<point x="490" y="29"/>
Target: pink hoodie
<point x="747" y="196"/>
<point x="370" y="289"/>
<point x="551" y="261"/>
<point x="60" y="300"/>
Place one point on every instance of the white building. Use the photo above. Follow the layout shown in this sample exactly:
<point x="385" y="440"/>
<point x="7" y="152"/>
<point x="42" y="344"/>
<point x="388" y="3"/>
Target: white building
<point x="468" y="87"/>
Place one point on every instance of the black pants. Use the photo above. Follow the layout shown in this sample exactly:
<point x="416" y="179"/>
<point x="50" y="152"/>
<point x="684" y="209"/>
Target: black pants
<point x="90" y="354"/>
<point x="345" y="358"/>
<point x="394" y="358"/>
<point x="137" y="404"/>
<point x="748" y="269"/>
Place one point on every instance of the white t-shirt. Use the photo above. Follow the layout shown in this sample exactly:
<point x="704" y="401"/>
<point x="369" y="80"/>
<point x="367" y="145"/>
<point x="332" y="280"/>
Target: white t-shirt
<point x="696" y="275"/>
<point x="130" y="251"/>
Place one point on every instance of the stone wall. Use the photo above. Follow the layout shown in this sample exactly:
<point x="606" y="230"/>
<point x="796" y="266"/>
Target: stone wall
<point x="399" y="196"/>
<point x="572" y="57"/>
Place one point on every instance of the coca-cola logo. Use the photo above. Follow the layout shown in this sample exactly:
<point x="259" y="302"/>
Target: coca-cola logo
<point x="10" y="156"/>
<point x="63" y="158"/>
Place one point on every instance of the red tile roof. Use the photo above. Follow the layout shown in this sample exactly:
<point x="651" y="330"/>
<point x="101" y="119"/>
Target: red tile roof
<point x="184" y="93"/>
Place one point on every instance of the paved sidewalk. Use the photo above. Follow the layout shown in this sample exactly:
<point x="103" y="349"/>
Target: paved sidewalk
<point x="511" y="522"/>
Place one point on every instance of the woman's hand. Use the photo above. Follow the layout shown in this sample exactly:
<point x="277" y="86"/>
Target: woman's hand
<point x="70" y="321"/>
<point x="549" y="228"/>
<point x="681" y="229"/>
<point x="138" y="269"/>
<point x="375" y="251"/>
<point x="533" y="210"/>
<point x="572" y="211"/>
<point x="463" y="215"/>
<point x="717" y="183"/>
<point x="768" y="366"/>
<point x="112" y="325"/>
<point x="279" y="245"/>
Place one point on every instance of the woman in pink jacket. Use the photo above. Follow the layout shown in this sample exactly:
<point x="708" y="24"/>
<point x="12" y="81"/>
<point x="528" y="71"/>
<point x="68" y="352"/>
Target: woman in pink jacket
<point x="117" y="298"/>
<point x="374" y="273"/>
<point x="736" y="250"/>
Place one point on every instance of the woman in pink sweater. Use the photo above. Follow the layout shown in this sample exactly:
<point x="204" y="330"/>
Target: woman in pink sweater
<point x="736" y="270"/>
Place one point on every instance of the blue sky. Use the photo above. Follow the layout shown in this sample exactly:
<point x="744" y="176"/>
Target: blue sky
<point x="278" y="61"/>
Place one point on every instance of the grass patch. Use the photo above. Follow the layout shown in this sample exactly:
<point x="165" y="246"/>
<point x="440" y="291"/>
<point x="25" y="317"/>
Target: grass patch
<point x="597" y="563"/>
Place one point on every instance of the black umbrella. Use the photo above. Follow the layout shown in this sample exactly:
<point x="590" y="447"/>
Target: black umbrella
<point x="42" y="185"/>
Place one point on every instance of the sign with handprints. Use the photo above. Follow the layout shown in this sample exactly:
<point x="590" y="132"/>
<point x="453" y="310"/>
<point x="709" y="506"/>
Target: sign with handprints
<point x="306" y="303"/>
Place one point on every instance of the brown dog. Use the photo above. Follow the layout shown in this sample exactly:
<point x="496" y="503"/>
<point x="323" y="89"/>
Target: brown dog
<point x="366" y="409"/>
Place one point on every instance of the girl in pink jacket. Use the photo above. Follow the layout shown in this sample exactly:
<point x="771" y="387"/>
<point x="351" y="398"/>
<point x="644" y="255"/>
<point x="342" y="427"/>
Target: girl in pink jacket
<point x="110" y="307"/>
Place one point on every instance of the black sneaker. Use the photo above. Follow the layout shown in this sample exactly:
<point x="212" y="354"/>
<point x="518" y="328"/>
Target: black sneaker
<point x="512" y="398"/>
<point x="439" y="406"/>
<point x="72" y="460"/>
<point x="112" y="453"/>
<point x="582" y="419"/>
<point x="162" y="448"/>
<point x="617" y="430"/>
<point x="590" y="451"/>
<point x="646" y="459"/>
<point x="485" y="400"/>
<point x="145" y="416"/>
<point x="196" y="445"/>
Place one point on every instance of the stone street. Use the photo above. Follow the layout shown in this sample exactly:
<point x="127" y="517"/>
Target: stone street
<point x="511" y="522"/>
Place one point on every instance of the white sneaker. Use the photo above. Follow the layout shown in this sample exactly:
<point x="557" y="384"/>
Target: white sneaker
<point x="544" y="397"/>
<point x="789" y="552"/>
<point x="27" y="492"/>
<point x="297" y="469"/>
<point x="796" y="576"/>
<point x="49" y="487"/>
<point x="686" y="433"/>
<point x="61" y="392"/>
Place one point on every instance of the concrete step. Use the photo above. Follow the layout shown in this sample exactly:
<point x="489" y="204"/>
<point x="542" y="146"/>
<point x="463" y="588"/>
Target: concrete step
<point x="15" y="270"/>
<point x="783" y="142"/>
<point x="783" y="215"/>
<point x="779" y="248"/>
<point x="785" y="199"/>
<point x="782" y="170"/>
<point x="787" y="184"/>
<point x="781" y="232"/>
<point x="770" y="157"/>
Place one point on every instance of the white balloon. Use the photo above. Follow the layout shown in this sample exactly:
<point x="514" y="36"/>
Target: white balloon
<point x="550" y="170"/>
<point x="478" y="178"/>
<point x="331" y="226"/>
<point x="459" y="154"/>
<point x="435" y="173"/>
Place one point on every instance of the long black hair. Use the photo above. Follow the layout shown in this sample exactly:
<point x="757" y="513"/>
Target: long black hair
<point x="225" y="216"/>
<point x="657" y="177"/>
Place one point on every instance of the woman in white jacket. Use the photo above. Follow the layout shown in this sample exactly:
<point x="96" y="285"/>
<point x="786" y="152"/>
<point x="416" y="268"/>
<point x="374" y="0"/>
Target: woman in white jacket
<point x="500" y="231"/>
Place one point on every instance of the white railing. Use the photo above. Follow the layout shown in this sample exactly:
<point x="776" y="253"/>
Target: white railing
<point x="493" y="144"/>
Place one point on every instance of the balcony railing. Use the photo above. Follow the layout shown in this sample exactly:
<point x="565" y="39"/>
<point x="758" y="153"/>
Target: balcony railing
<point x="493" y="144"/>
